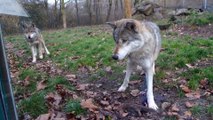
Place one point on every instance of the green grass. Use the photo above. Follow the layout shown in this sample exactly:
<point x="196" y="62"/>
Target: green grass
<point x="179" y="52"/>
<point x="196" y="110"/>
<point x="210" y="110"/>
<point x="90" y="50"/>
<point x="58" y="80"/>
<point x="32" y="76"/>
<point x="195" y="75"/>
<point x="73" y="106"/>
<point x="199" y="19"/>
<point x="33" y="106"/>
<point x="200" y="111"/>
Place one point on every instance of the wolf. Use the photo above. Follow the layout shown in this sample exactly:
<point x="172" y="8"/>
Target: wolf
<point x="35" y="39"/>
<point x="140" y="42"/>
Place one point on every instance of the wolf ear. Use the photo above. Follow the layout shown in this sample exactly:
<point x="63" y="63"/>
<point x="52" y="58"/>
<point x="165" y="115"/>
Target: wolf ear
<point x="23" y="25"/>
<point x="112" y="24"/>
<point x="132" y="26"/>
<point x="33" y="25"/>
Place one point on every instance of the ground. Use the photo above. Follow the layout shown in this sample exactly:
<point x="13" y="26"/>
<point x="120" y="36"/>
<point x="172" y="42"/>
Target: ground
<point x="79" y="80"/>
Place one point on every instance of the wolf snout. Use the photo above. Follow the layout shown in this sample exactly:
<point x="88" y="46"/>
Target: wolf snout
<point x="115" y="57"/>
<point x="29" y="37"/>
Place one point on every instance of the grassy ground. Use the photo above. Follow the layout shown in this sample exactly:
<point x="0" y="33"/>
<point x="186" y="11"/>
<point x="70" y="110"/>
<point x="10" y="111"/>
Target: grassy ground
<point x="91" y="48"/>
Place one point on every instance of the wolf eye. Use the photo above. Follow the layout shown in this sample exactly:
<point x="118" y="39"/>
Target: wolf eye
<point x="124" y="40"/>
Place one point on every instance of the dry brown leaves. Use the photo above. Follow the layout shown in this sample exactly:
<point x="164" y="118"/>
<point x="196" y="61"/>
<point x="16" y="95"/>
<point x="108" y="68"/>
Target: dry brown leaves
<point x="185" y="88"/>
<point x="88" y="104"/>
<point x="41" y="85"/>
<point x="71" y="77"/>
<point x="82" y="86"/>
<point x="135" y="92"/>
<point x="53" y="99"/>
<point x="53" y="116"/>
<point x="27" y="81"/>
<point x="193" y="95"/>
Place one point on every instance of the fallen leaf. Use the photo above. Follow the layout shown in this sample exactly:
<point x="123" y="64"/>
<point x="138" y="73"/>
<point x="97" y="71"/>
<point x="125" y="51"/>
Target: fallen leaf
<point x="27" y="81"/>
<point x="193" y="95"/>
<point x="165" y="105"/>
<point x="135" y="92"/>
<point x="43" y="117"/>
<point x="124" y="114"/>
<point x="134" y="82"/>
<point x="189" y="66"/>
<point x="98" y="85"/>
<point x="82" y="86"/>
<point x="175" y="108"/>
<point x="74" y="57"/>
<point x="187" y="114"/>
<point x="185" y="88"/>
<point x="89" y="105"/>
<point x="204" y="82"/>
<point x="41" y="85"/>
<point x="172" y="113"/>
<point x="109" y="107"/>
<point x="189" y="105"/>
<point x="90" y="94"/>
<point x="71" y="77"/>
<point x="103" y="102"/>
<point x="54" y="99"/>
<point x="108" y="69"/>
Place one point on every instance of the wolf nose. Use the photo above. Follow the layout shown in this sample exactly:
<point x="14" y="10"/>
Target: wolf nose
<point x="115" y="57"/>
<point x="28" y="37"/>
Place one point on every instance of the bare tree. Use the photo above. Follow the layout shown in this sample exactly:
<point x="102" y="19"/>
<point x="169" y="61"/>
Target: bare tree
<point x="128" y="9"/>
<point x="77" y="14"/>
<point x="109" y="10"/>
<point x="89" y="11"/>
<point x="63" y="14"/>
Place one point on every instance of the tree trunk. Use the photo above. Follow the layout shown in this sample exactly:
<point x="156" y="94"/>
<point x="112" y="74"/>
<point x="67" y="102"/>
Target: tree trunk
<point x="109" y="10"/>
<point x="116" y="10"/>
<point x="96" y="11"/>
<point x="47" y="21"/>
<point x="88" y="4"/>
<point x="76" y="7"/>
<point x="128" y="9"/>
<point x="63" y="14"/>
<point x="55" y="15"/>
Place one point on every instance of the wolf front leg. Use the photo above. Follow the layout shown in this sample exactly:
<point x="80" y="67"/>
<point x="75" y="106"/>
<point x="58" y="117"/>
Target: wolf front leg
<point x="45" y="48"/>
<point x="40" y="48"/>
<point x="34" y="53"/>
<point x="129" y="69"/>
<point x="149" y="82"/>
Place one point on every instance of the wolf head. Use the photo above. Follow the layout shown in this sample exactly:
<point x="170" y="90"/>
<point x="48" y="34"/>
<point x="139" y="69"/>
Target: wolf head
<point x="30" y="31"/>
<point x="127" y="36"/>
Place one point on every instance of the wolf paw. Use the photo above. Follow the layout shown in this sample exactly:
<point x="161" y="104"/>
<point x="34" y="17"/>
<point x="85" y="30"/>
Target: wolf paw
<point x="34" y="61"/>
<point x="122" y="89"/>
<point x="47" y="52"/>
<point x="153" y="106"/>
<point x="41" y="56"/>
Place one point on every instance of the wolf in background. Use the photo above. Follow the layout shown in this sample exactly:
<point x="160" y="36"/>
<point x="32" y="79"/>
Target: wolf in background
<point x="35" y="39"/>
<point x="140" y="42"/>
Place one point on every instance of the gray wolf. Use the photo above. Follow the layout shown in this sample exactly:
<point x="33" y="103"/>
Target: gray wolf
<point x="35" y="39"/>
<point x="140" y="42"/>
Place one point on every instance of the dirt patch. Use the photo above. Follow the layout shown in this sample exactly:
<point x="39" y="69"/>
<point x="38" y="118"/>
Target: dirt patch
<point x="194" y="31"/>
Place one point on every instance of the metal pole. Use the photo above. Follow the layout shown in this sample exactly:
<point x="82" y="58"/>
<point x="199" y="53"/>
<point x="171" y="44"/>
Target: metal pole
<point x="6" y="87"/>
<point x="205" y="4"/>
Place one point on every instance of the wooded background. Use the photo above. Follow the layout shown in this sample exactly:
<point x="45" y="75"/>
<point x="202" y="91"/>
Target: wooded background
<point x="63" y="14"/>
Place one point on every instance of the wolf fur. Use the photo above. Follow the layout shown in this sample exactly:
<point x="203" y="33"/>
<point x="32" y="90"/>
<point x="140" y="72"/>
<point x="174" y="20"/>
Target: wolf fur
<point x="140" y="42"/>
<point x="35" y="39"/>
